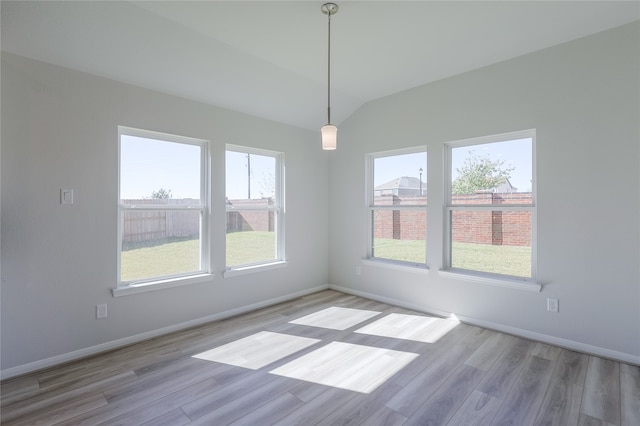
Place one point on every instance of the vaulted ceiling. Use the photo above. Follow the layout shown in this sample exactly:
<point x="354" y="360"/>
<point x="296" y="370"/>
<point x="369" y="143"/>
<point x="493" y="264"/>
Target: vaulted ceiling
<point x="268" y="58"/>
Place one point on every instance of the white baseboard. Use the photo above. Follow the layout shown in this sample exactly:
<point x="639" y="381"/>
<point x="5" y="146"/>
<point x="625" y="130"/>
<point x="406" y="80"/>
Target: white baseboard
<point x="544" y="338"/>
<point x="115" y="344"/>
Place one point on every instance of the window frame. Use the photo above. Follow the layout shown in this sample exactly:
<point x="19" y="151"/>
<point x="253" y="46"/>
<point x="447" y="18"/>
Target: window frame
<point x="204" y="207"/>
<point x="278" y="208"/>
<point x="370" y="259"/>
<point x="527" y="283"/>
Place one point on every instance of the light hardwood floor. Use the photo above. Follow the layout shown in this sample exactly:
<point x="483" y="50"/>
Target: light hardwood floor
<point x="255" y="370"/>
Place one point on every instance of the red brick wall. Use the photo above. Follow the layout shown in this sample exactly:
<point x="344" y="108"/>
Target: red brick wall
<point x="400" y="224"/>
<point x="481" y="227"/>
<point x="251" y="220"/>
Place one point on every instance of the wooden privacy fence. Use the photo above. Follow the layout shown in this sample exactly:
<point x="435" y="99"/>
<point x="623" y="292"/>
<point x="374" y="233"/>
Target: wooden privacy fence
<point x="144" y="226"/>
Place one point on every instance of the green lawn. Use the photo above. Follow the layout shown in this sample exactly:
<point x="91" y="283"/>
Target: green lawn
<point x="175" y="257"/>
<point x="404" y="250"/>
<point x="506" y="260"/>
<point x="250" y="247"/>
<point x="180" y="256"/>
<point x="168" y="258"/>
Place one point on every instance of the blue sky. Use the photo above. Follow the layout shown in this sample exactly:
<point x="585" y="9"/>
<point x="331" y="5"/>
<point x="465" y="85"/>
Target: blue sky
<point x="389" y="168"/>
<point x="516" y="153"/>
<point x="262" y="175"/>
<point x="146" y="165"/>
<point x="149" y="164"/>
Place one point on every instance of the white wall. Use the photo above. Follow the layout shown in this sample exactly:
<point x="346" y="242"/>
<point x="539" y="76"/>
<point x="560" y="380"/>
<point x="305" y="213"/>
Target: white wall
<point x="583" y="99"/>
<point x="59" y="130"/>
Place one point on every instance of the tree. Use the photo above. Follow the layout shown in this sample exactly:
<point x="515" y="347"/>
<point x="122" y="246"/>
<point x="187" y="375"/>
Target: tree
<point x="267" y="184"/>
<point x="480" y="172"/>
<point x="161" y="194"/>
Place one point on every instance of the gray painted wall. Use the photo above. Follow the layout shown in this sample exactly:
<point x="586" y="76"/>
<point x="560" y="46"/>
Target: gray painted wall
<point x="59" y="130"/>
<point x="583" y="99"/>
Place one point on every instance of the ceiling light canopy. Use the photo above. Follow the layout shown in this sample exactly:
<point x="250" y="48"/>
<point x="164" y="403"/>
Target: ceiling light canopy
<point x="329" y="131"/>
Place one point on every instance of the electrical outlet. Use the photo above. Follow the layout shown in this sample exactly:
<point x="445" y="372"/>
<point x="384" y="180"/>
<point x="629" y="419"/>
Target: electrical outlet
<point x="66" y="196"/>
<point x="101" y="311"/>
<point x="552" y="305"/>
<point x="358" y="270"/>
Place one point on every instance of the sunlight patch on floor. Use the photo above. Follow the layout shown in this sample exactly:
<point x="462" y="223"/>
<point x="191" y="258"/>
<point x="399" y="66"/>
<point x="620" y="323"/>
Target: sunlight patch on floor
<point x="336" y="318"/>
<point x="346" y="366"/>
<point x="410" y="327"/>
<point x="257" y="350"/>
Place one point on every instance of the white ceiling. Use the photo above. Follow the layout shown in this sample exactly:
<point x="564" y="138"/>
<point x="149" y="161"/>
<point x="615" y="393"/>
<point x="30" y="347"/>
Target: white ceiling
<point x="268" y="58"/>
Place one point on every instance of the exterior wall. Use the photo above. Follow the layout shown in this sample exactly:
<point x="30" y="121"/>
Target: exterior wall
<point x="399" y="224"/>
<point x="479" y="227"/>
<point x="251" y="220"/>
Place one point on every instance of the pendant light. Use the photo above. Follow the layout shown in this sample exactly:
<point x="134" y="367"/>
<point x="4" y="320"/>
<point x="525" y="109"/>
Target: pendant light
<point x="329" y="131"/>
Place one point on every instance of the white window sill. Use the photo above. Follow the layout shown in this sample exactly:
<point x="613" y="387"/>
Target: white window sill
<point x="390" y="264"/>
<point x="160" y="285"/>
<point x="243" y="270"/>
<point x="496" y="281"/>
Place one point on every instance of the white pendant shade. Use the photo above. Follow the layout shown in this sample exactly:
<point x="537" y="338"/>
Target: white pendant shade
<point x="329" y="136"/>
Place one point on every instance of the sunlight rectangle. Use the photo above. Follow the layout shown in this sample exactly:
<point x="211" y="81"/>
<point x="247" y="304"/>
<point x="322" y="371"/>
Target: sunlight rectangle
<point x="347" y="366"/>
<point x="336" y="318"/>
<point x="257" y="350"/>
<point x="410" y="327"/>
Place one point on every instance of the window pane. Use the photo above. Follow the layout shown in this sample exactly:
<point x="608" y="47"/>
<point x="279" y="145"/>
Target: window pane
<point x="158" y="169"/>
<point x="399" y="235"/>
<point x="251" y="236"/>
<point x="159" y="243"/>
<point x="492" y="173"/>
<point x="252" y="208"/>
<point x="497" y="242"/>
<point x="400" y="179"/>
<point x="250" y="176"/>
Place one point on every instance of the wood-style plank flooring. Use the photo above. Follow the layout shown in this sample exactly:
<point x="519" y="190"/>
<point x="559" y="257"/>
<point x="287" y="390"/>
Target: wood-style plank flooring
<point x="292" y="364"/>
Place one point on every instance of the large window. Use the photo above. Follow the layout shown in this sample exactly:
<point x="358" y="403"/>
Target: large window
<point x="163" y="207"/>
<point x="397" y="193"/>
<point x="491" y="205"/>
<point x="255" y="214"/>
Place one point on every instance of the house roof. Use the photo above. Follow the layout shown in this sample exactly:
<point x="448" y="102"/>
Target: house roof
<point x="404" y="182"/>
<point x="505" y="186"/>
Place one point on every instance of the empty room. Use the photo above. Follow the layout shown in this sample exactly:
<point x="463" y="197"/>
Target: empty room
<point x="309" y="213"/>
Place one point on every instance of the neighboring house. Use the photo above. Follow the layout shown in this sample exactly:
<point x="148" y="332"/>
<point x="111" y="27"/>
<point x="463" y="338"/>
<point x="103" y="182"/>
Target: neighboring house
<point x="505" y="188"/>
<point x="401" y="186"/>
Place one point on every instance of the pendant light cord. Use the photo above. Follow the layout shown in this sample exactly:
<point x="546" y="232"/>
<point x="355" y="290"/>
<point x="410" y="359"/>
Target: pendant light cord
<point x="329" y="69"/>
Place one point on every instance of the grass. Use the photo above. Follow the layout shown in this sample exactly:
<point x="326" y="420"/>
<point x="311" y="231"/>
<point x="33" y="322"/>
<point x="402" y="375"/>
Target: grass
<point x="403" y="250"/>
<point x="162" y="259"/>
<point x="506" y="260"/>
<point x="178" y="256"/>
<point x="250" y="247"/>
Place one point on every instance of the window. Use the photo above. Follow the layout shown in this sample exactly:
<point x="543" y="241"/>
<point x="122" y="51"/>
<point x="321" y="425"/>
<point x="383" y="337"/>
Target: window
<point x="163" y="208"/>
<point x="255" y="213"/>
<point x="397" y="194"/>
<point x="491" y="205"/>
